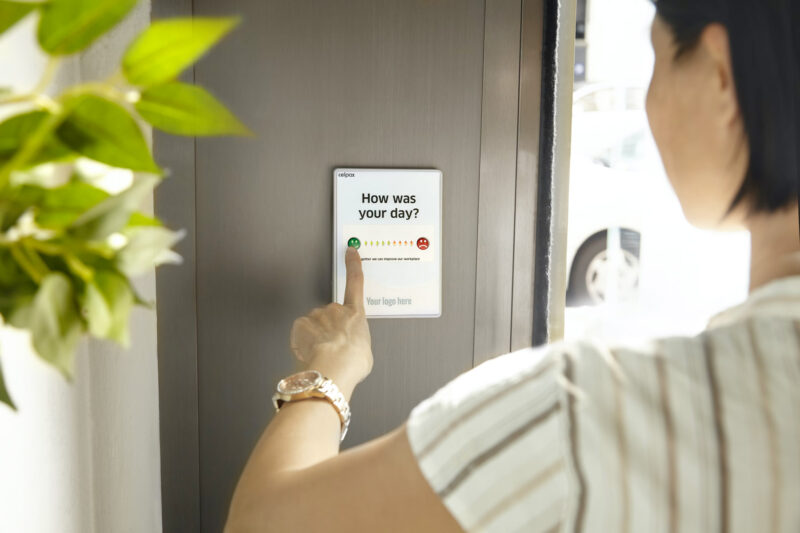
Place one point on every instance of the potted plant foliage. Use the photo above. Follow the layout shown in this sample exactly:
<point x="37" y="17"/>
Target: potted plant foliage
<point x="76" y="166"/>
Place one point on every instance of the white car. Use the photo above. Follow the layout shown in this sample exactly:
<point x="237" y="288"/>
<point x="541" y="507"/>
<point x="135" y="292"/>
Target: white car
<point x="612" y="156"/>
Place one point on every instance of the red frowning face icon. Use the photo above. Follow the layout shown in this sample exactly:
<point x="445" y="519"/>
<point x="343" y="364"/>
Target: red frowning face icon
<point x="422" y="243"/>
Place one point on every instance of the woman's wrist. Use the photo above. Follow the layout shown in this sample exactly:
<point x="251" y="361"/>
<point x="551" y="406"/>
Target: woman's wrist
<point x="342" y="378"/>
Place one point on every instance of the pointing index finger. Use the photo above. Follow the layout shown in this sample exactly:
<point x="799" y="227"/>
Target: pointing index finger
<point x="354" y="289"/>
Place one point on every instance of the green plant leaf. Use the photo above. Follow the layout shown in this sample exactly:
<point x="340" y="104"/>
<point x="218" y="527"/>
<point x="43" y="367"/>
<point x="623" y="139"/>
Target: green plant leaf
<point x="58" y="208"/>
<point x="113" y="213"/>
<point x="139" y="300"/>
<point x="9" y="214"/>
<point x="140" y="219"/>
<point x="12" y="277"/>
<point x="69" y="26"/>
<point x="77" y="195"/>
<point x="16" y="304"/>
<point x="147" y="247"/>
<point x="11" y="13"/>
<point x="55" y="219"/>
<point x="16" y="288"/>
<point x="167" y="47"/>
<point x="15" y="130"/>
<point x="14" y="201"/>
<point x="185" y="109"/>
<point x="102" y="130"/>
<point x="107" y="305"/>
<point x="54" y="208"/>
<point x="4" y="396"/>
<point x="53" y="320"/>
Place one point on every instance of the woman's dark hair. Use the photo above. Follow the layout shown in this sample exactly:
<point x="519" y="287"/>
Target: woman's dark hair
<point x="765" y="53"/>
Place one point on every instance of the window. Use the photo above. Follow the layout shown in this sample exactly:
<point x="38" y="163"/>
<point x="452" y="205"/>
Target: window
<point x="635" y="267"/>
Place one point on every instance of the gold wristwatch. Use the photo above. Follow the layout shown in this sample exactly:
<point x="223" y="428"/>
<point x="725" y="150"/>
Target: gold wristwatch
<point x="312" y="384"/>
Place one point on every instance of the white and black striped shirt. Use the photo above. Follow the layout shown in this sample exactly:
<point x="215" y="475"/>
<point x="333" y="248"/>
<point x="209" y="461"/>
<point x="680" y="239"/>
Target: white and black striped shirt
<point x="678" y="434"/>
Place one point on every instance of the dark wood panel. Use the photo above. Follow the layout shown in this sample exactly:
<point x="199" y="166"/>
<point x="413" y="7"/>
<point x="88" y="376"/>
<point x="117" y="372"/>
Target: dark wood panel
<point x="372" y="83"/>
<point x="498" y="169"/>
<point x="530" y="89"/>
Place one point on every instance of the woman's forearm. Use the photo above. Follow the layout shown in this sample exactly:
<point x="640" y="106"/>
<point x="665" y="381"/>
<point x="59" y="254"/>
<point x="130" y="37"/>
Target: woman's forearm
<point x="300" y="435"/>
<point x="335" y="341"/>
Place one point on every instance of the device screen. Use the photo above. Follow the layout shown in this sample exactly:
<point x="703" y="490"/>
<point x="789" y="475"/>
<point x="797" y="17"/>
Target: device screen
<point x="393" y="218"/>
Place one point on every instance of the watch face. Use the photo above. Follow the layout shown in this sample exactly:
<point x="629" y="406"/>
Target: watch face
<point x="300" y="382"/>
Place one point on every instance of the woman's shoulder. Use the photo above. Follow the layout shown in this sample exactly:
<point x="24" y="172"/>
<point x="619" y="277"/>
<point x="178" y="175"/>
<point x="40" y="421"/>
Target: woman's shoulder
<point x="550" y="365"/>
<point x="592" y="368"/>
<point x="724" y="356"/>
<point x="530" y="375"/>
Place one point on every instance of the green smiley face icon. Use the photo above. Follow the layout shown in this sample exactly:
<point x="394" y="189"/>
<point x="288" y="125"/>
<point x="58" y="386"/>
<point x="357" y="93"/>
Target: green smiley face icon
<point x="354" y="242"/>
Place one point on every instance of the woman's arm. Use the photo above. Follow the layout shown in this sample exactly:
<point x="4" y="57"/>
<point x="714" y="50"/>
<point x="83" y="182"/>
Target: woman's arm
<point x="295" y="477"/>
<point x="374" y="487"/>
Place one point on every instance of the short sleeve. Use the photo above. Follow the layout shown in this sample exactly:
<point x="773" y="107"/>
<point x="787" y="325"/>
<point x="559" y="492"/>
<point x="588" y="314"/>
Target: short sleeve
<point x="491" y="443"/>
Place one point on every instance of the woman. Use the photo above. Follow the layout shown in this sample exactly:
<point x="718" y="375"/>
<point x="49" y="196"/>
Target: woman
<point x="679" y="434"/>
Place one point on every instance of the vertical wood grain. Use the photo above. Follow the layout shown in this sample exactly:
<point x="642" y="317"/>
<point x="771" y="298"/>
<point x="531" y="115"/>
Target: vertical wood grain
<point x="498" y="166"/>
<point x="357" y="83"/>
<point x="453" y="85"/>
<point x="530" y="94"/>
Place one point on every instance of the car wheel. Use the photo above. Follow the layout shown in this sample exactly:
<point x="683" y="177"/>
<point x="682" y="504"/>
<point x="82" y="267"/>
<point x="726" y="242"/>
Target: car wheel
<point x="591" y="269"/>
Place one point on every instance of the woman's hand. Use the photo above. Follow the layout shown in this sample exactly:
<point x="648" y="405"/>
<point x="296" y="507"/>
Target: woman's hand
<point x="335" y="339"/>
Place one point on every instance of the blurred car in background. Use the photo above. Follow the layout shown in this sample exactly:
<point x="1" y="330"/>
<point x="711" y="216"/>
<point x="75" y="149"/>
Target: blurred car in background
<point x="608" y="186"/>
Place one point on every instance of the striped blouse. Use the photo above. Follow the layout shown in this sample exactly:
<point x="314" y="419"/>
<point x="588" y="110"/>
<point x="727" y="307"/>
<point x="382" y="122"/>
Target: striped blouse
<point x="676" y="434"/>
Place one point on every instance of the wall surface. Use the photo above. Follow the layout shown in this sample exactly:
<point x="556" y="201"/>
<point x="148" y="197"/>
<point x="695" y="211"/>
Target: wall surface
<point x="453" y="85"/>
<point x="361" y="83"/>
<point x="81" y="457"/>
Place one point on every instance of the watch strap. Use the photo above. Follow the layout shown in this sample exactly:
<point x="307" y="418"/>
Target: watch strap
<point x="335" y="396"/>
<point x="327" y="390"/>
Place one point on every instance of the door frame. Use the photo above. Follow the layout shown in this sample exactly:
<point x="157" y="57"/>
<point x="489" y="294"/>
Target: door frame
<point x="529" y="51"/>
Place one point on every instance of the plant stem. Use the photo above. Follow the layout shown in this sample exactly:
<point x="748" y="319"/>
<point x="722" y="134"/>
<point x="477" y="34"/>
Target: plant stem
<point x="22" y="260"/>
<point x="78" y="267"/>
<point x="44" y="82"/>
<point x="47" y="76"/>
<point x="17" y="98"/>
<point x="47" y="248"/>
<point x="98" y="88"/>
<point x="116" y="78"/>
<point x="41" y="100"/>
<point x="34" y="258"/>
<point x="48" y="103"/>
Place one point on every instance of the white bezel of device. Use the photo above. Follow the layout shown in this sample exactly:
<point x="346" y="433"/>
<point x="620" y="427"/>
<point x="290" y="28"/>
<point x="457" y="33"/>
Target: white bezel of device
<point x="438" y="235"/>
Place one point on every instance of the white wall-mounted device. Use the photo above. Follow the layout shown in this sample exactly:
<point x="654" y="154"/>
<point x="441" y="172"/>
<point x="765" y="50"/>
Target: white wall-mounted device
<point x="394" y="218"/>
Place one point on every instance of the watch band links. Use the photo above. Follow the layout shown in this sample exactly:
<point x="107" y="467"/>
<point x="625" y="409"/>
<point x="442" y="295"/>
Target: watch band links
<point x="326" y="389"/>
<point x="335" y="396"/>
